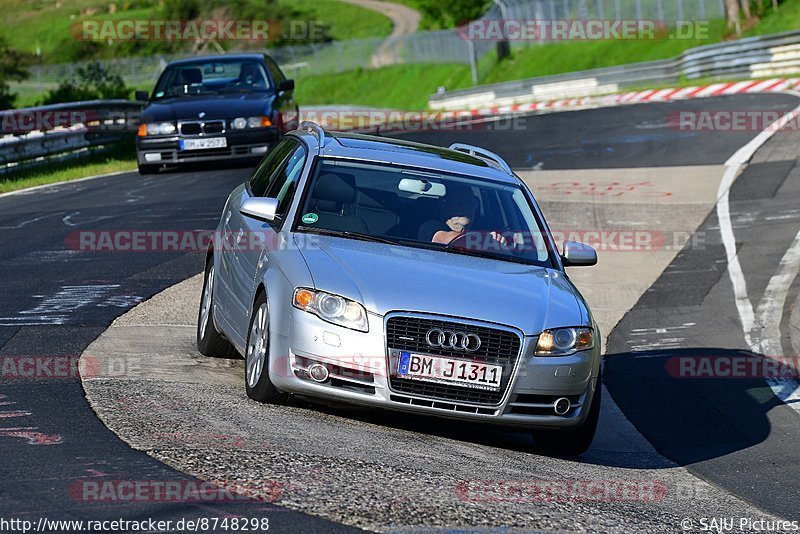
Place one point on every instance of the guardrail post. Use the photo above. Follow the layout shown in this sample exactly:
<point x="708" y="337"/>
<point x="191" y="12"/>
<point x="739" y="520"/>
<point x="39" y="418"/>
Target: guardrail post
<point x="473" y="61"/>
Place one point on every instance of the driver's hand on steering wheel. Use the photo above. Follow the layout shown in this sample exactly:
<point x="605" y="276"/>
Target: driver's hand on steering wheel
<point x="497" y="236"/>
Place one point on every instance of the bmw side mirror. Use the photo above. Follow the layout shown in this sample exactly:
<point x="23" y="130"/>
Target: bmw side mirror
<point x="141" y="96"/>
<point x="261" y="208"/>
<point x="578" y="255"/>
<point x="286" y="85"/>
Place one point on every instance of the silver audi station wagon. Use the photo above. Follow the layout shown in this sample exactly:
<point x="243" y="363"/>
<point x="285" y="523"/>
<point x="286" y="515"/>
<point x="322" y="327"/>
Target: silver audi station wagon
<point x="372" y="271"/>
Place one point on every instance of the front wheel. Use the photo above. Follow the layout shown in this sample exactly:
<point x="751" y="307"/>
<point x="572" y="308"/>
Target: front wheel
<point x="256" y="368"/>
<point x="209" y="341"/>
<point x="574" y="441"/>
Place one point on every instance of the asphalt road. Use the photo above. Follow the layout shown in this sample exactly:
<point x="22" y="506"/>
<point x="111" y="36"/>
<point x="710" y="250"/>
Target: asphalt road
<point x="55" y="301"/>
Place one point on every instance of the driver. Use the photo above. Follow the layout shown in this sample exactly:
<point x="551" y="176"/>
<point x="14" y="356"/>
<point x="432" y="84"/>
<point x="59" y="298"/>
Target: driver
<point x="459" y="207"/>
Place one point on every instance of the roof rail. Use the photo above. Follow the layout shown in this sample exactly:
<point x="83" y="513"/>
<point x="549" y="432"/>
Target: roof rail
<point x="481" y="153"/>
<point x="316" y="129"/>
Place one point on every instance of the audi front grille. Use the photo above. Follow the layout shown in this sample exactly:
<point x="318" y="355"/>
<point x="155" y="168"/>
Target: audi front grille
<point x="409" y="333"/>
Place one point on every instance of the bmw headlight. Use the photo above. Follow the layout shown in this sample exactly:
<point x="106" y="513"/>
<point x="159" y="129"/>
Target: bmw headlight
<point x="240" y="123"/>
<point x="332" y="308"/>
<point x="160" y="128"/>
<point x="564" y="341"/>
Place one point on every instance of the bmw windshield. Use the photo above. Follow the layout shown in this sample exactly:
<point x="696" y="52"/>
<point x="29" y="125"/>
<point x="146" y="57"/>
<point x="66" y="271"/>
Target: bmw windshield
<point x="213" y="77"/>
<point x="425" y="209"/>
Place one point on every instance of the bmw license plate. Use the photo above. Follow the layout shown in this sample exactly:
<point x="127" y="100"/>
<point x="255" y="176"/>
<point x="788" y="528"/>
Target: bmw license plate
<point x="202" y="144"/>
<point x="439" y="369"/>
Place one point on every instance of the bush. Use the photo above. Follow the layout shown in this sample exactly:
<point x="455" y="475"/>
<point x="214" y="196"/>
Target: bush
<point x="91" y="82"/>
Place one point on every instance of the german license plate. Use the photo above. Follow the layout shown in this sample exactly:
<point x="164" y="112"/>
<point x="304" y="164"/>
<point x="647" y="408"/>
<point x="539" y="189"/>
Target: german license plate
<point x="202" y="144"/>
<point x="440" y="369"/>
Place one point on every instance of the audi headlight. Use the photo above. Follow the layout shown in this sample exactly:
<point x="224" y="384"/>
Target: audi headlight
<point x="564" y="341"/>
<point x="332" y="308"/>
<point x="160" y="128"/>
<point x="238" y="123"/>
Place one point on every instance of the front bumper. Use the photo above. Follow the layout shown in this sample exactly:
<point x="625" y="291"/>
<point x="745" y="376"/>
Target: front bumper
<point x="361" y="367"/>
<point x="165" y="150"/>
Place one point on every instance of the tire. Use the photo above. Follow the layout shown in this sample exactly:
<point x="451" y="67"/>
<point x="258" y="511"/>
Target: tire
<point x="209" y="341"/>
<point x="256" y="359"/>
<point x="148" y="169"/>
<point x="575" y="441"/>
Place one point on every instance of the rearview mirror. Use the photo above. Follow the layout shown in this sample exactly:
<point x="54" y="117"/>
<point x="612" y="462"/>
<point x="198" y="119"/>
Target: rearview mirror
<point x="286" y="85"/>
<point x="141" y="96"/>
<point x="578" y="255"/>
<point x="261" y="208"/>
<point x="422" y="187"/>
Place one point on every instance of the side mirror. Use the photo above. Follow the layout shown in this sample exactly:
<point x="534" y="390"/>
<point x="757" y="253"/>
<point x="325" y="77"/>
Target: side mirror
<point x="142" y="96"/>
<point x="261" y="208"/>
<point x="578" y="255"/>
<point x="286" y="85"/>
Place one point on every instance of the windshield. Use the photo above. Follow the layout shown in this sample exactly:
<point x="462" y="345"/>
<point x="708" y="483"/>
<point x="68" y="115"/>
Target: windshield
<point x="459" y="214"/>
<point x="203" y="78"/>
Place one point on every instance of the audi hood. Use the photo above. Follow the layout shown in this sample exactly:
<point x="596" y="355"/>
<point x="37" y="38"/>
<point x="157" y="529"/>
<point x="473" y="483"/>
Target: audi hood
<point x="387" y="278"/>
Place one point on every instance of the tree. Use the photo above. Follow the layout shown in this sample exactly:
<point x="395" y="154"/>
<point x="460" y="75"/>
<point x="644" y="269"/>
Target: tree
<point x="449" y="13"/>
<point x="12" y="68"/>
<point x="732" y="9"/>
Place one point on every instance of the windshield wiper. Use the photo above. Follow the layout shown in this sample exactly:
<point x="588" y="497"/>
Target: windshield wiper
<point x="351" y="235"/>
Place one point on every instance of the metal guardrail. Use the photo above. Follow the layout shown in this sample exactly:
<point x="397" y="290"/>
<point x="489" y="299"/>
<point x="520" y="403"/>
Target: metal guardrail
<point x="41" y="132"/>
<point x="752" y="57"/>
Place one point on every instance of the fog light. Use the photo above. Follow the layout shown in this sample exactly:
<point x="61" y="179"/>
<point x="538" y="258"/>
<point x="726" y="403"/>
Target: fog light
<point x="561" y="406"/>
<point x="318" y="372"/>
<point x="152" y="156"/>
<point x="258" y="150"/>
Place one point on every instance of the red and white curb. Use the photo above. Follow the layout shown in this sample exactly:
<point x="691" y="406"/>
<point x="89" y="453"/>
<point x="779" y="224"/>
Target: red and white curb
<point x="775" y="85"/>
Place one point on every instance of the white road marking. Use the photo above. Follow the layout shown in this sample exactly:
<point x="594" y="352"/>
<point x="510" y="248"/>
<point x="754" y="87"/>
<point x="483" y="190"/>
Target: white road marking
<point x="57" y="308"/>
<point x="786" y="390"/>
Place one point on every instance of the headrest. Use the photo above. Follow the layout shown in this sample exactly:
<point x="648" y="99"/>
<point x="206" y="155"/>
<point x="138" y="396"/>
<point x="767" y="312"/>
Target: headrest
<point x="190" y="76"/>
<point x="336" y="187"/>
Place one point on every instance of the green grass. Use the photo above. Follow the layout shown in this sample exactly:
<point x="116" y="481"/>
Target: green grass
<point x="43" y="26"/>
<point x="119" y="158"/>
<point x="398" y="86"/>
<point x="346" y="20"/>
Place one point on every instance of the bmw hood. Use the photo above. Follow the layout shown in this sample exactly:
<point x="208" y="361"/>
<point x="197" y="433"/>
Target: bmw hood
<point x="389" y="278"/>
<point x="213" y="107"/>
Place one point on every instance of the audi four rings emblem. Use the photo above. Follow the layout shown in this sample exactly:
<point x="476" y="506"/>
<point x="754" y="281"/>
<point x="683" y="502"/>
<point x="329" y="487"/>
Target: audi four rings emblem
<point x="448" y="339"/>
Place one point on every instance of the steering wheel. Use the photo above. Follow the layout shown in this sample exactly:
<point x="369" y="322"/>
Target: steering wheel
<point x="478" y="240"/>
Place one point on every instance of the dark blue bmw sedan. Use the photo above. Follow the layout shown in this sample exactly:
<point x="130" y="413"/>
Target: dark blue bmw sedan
<point x="214" y="107"/>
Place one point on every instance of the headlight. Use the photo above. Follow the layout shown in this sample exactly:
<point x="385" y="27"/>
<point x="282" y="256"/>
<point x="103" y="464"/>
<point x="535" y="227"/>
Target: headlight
<point x="564" y="341"/>
<point x="238" y="123"/>
<point x="332" y="308"/>
<point x="258" y="122"/>
<point x="160" y="128"/>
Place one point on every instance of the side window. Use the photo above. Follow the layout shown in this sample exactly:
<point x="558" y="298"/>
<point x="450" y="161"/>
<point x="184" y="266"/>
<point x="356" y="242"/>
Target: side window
<point x="277" y="75"/>
<point x="284" y="185"/>
<point x="260" y="181"/>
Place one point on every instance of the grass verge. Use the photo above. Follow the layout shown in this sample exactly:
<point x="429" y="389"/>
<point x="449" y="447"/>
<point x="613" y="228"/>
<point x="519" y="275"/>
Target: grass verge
<point x="118" y="157"/>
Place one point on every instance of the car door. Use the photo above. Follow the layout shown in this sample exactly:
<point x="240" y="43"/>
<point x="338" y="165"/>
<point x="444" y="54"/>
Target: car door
<point x="284" y="104"/>
<point x="258" y="238"/>
<point x="231" y="302"/>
